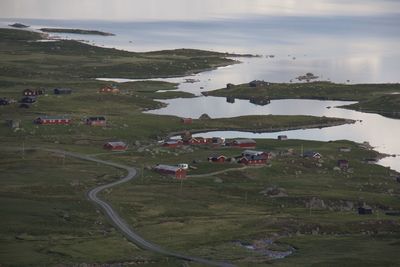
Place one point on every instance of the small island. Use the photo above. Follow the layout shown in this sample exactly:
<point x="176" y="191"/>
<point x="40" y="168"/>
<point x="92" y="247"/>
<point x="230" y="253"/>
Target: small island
<point x="76" y="31"/>
<point x="19" y="25"/>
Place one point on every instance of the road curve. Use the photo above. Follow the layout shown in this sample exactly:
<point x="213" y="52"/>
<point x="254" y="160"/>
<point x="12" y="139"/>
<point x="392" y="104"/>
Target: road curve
<point x="118" y="222"/>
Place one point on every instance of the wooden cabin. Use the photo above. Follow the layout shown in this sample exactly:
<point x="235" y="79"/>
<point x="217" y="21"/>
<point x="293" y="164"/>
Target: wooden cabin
<point x="96" y="121"/>
<point x="115" y="146"/>
<point x="53" y="120"/>
<point x="177" y="172"/>
<point x="243" y="143"/>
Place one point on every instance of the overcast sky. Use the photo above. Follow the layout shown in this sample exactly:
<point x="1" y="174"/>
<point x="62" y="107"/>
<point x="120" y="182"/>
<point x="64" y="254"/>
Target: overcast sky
<point x="189" y="9"/>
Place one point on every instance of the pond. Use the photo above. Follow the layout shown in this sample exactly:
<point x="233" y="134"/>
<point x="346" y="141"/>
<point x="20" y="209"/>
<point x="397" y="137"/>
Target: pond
<point x="369" y="127"/>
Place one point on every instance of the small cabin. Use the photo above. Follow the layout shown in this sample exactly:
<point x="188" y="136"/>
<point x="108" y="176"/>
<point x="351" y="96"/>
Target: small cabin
<point x="33" y="92"/>
<point x="28" y="100"/>
<point x="62" y="91"/>
<point x="252" y="157"/>
<point x="177" y="172"/>
<point x="96" y="121"/>
<point x="343" y="164"/>
<point x="365" y="210"/>
<point x="52" y="120"/>
<point x="345" y="149"/>
<point x="217" y="158"/>
<point x="243" y="143"/>
<point x="312" y="154"/>
<point x="282" y="137"/>
<point x="172" y="143"/>
<point x="4" y="102"/>
<point x="115" y="146"/>
<point x="186" y="120"/>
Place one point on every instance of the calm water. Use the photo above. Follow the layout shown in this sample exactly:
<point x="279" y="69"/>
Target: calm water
<point x="369" y="127"/>
<point x="355" y="40"/>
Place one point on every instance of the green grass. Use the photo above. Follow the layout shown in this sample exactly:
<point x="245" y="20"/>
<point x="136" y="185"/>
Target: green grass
<point x="203" y="216"/>
<point x="46" y="219"/>
<point x="387" y="105"/>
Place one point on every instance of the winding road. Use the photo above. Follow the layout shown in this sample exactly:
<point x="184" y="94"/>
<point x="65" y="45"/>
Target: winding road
<point x="116" y="219"/>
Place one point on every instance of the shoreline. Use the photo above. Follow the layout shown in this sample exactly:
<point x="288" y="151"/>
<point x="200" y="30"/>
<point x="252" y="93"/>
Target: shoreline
<point x="260" y="131"/>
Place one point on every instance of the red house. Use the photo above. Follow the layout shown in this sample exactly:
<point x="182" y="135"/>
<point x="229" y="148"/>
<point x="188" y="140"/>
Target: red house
<point x="217" y="159"/>
<point x="172" y="143"/>
<point x="178" y="172"/>
<point x="187" y="120"/>
<point x="96" y="121"/>
<point x="115" y="146"/>
<point x="251" y="157"/>
<point x="243" y="143"/>
<point x="53" y="120"/>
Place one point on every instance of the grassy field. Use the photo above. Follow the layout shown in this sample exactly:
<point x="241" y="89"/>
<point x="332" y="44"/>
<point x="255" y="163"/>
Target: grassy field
<point x="377" y="98"/>
<point x="208" y="216"/>
<point x="46" y="219"/>
<point x="387" y="105"/>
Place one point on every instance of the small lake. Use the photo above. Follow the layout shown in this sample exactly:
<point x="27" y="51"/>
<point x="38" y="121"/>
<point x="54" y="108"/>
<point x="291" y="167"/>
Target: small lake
<point x="379" y="131"/>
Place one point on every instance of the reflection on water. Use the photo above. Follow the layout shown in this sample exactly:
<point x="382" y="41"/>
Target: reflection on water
<point x="368" y="128"/>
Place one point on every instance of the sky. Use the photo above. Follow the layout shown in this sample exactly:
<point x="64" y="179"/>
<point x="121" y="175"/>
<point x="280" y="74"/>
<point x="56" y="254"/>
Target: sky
<point x="159" y="10"/>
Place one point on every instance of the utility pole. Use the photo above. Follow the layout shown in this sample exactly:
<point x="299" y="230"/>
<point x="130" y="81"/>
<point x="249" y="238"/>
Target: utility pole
<point x="23" y="149"/>
<point x="181" y="184"/>
<point x="142" y="173"/>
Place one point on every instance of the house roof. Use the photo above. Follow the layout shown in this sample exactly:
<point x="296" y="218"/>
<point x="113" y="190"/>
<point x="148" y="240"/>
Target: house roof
<point x="172" y="142"/>
<point x="217" y="156"/>
<point x="167" y="167"/>
<point x="98" y="118"/>
<point x="254" y="157"/>
<point x="63" y="117"/>
<point x="116" y="143"/>
<point x="244" y="141"/>
<point x="311" y="154"/>
<point x="252" y="152"/>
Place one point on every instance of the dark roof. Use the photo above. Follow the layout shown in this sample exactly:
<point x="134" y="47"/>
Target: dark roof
<point x="310" y="154"/>
<point x="116" y="143"/>
<point x="167" y="167"/>
<point x="98" y="118"/>
<point x="254" y="157"/>
<point x="253" y="152"/>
